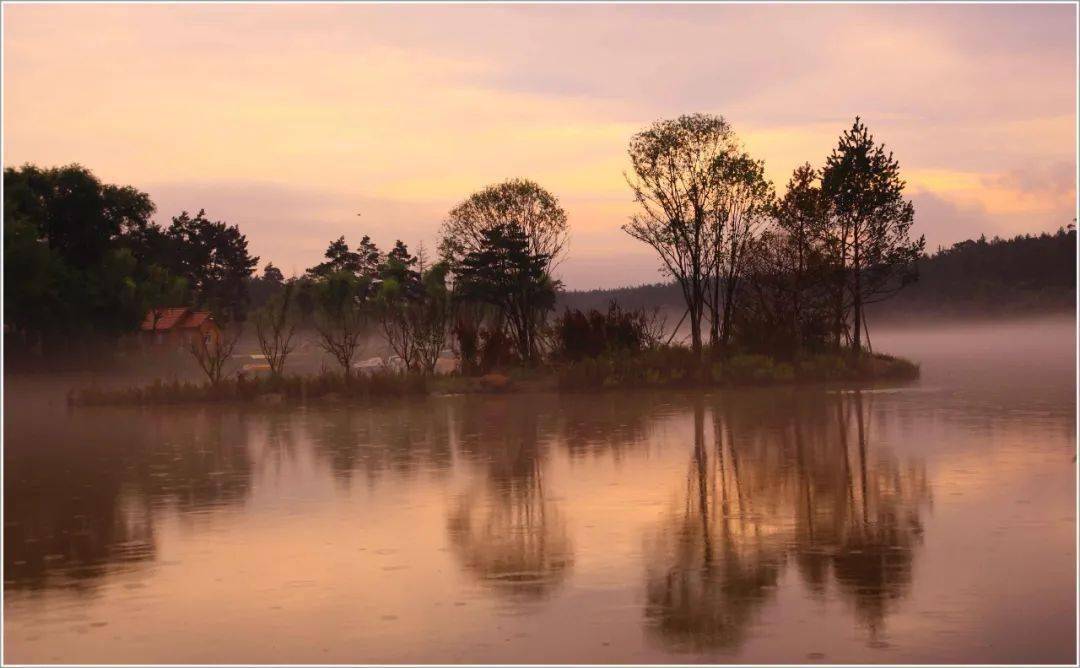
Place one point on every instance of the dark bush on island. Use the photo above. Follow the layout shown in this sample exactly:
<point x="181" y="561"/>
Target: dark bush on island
<point x="496" y="350"/>
<point x="676" y="366"/>
<point x="585" y="334"/>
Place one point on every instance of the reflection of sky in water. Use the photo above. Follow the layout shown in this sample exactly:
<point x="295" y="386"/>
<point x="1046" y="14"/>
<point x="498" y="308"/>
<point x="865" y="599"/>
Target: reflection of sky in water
<point x="930" y="522"/>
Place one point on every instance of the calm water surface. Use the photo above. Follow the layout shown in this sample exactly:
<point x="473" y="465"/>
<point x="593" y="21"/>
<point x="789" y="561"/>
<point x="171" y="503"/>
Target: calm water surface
<point x="930" y="522"/>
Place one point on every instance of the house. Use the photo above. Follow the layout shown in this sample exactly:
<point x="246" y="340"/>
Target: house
<point x="177" y="327"/>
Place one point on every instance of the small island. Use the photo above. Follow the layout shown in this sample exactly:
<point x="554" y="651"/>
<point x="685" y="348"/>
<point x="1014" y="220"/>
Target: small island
<point x="774" y="289"/>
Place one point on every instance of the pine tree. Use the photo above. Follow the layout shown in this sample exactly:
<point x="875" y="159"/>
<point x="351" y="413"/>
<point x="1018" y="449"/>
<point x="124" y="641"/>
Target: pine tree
<point x="871" y="223"/>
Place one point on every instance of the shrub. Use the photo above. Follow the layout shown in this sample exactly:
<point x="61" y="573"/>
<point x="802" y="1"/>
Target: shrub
<point x="823" y="367"/>
<point x="496" y="349"/>
<point x="580" y="334"/>
<point x="888" y="367"/>
<point x="675" y="366"/>
<point x="748" y="368"/>
<point x="842" y="366"/>
<point x="664" y="366"/>
<point x="467" y="334"/>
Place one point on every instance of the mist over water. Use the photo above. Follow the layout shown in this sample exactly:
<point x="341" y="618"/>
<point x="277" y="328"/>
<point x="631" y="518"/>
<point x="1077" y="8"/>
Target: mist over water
<point x="928" y="522"/>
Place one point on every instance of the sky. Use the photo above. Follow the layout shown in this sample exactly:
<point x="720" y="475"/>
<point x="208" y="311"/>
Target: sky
<point x="302" y="123"/>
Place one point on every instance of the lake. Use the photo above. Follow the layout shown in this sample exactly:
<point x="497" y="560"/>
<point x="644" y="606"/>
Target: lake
<point x="928" y="522"/>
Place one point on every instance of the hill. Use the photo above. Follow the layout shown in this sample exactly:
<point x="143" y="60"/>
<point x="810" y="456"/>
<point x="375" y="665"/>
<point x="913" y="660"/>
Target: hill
<point x="975" y="278"/>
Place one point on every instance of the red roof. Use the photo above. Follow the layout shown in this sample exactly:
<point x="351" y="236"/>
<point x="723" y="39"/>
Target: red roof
<point x="196" y="318"/>
<point x="173" y="318"/>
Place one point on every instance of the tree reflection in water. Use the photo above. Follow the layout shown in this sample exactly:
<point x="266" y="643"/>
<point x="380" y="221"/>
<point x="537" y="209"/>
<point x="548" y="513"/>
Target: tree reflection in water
<point x="85" y="506"/>
<point x="398" y="439"/>
<point x="793" y="480"/>
<point x="505" y="529"/>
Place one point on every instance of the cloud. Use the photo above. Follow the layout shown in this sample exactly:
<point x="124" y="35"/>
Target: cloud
<point x="290" y="119"/>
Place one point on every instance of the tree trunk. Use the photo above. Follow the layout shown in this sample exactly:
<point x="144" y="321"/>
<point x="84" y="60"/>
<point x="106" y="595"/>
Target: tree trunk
<point x="697" y="307"/>
<point x="857" y="299"/>
<point x="714" y="330"/>
<point x="729" y="299"/>
<point x="695" y="330"/>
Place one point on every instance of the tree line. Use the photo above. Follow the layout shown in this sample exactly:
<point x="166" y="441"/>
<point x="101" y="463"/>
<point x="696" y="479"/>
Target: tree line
<point x="84" y="260"/>
<point x="1024" y="273"/>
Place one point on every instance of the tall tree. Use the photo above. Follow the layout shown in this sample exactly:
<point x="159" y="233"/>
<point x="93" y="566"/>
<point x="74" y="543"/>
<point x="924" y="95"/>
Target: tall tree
<point x="678" y="168"/>
<point x="517" y="202"/>
<point x="273" y="275"/>
<point x="743" y="203"/>
<point x="870" y="234"/>
<point x="78" y="216"/>
<point x="400" y="266"/>
<point x="161" y="290"/>
<point x="505" y="273"/>
<point x="70" y="274"/>
<point x="262" y="289"/>
<point x="363" y="262"/>
<point x="213" y="257"/>
<point x="790" y="270"/>
<point x="413" y="308"/>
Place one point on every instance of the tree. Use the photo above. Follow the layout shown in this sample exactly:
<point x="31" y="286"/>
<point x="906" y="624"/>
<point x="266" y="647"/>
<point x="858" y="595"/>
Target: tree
<point x="341" y="317"/>
<point x="413" y="309"/>
<point x="506" y="274"/>
<point x="401" y="268"/>
<point x="362" y="263"/>
<point x="261" y="289"/>
<point x="71" y="276"/>
<point x="787" y="270"/>
<point x="161" y="290"/>
<point x="213" y="257"/>
<point x="678" y="168"/>
<point x="432" y="316"/>
<point x="213" y="350"/>
<point x="869" y="237"/>
<point x="273" y="275"/>
<point x="800" y="219"/>
<point x="275" y="328"/>
<point x="34" y="303"/>
<point x="516" y="202"/>
<point x="743" y="203"/>
<point x="78" y="216"/>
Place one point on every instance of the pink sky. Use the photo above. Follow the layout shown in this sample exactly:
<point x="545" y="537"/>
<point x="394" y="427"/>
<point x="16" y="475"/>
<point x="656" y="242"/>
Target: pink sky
<point x="291" y="119"/>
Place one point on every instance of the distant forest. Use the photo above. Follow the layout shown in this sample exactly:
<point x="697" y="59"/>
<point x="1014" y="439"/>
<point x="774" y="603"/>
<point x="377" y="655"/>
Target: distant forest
<point x="983" y="277"/>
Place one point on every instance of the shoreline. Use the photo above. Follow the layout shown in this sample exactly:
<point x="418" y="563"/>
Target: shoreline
<point x="590" y="376"/>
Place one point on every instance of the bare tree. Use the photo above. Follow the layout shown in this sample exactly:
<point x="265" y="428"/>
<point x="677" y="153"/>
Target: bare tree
<point x="433" y="317"/>
<point x="413" y="307"/>
<point x="677" y="176"/>
<point x="213" y="349"/>
<point x="653" y="324"/>
<point x="275" y="328"/>
<point x="341" y="319"/>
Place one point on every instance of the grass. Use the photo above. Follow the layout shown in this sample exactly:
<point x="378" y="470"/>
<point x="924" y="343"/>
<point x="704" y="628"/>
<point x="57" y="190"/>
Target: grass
<point x="292" y="389"/>
<point x="665" y="367"/>
<point x="676" y="367"/>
